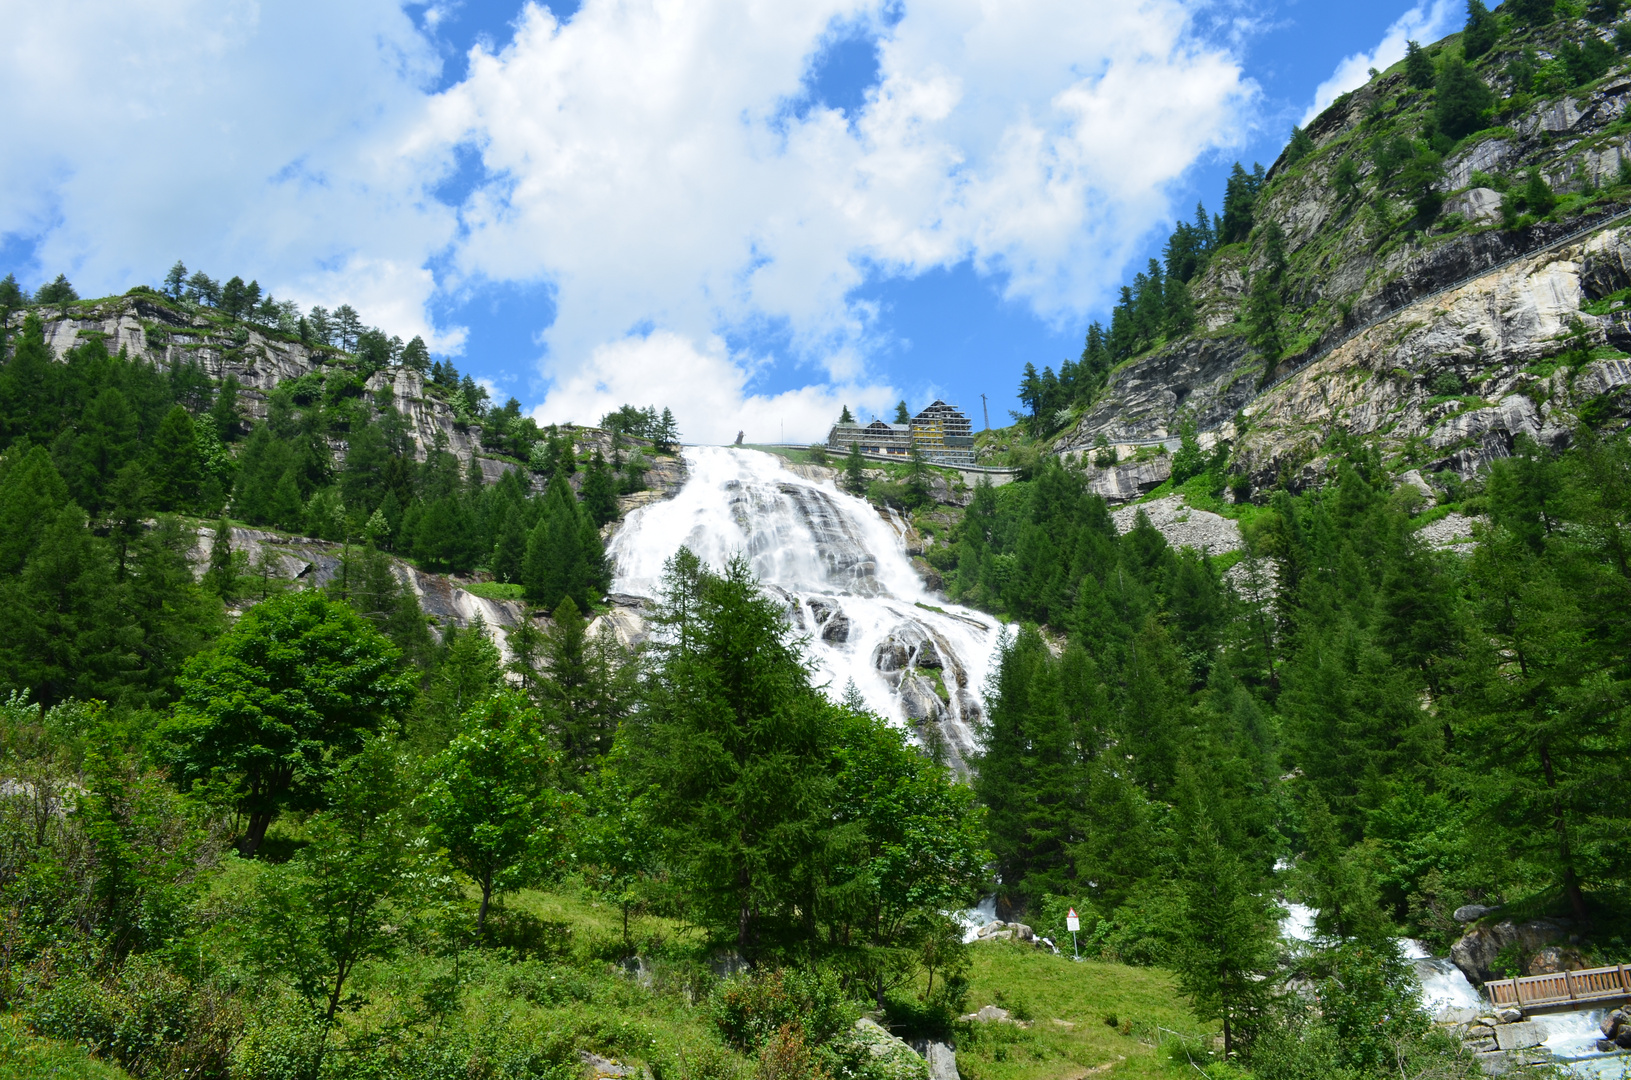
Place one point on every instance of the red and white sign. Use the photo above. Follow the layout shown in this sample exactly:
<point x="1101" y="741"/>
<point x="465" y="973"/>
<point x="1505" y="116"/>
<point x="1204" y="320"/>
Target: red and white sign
<point x="1072" y="923"/>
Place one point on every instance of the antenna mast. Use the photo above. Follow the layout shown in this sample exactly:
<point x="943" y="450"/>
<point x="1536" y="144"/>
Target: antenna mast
<point x="986" y="409"/>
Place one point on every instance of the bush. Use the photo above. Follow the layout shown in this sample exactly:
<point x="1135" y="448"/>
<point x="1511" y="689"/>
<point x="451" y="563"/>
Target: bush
<point x="750" y="1011"/>
<point x="148" y="1019"/>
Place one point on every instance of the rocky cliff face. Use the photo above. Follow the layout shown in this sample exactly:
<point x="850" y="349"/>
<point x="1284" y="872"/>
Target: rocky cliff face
<point x="1444" y="344"/>
<point x="144" y="328"/>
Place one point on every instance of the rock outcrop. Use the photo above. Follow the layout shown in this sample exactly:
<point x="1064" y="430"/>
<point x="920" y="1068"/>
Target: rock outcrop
<point x="1443" y="347"/>
<point x="1536" y="939"/>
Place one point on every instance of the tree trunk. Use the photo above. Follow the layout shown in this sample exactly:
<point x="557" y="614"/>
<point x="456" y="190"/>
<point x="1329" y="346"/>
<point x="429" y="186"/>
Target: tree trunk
<point x="1228" y="1036"/>
<point x="486" y="895"/>
<point x="1571" y="883"/>
<point x="256" y="833"/>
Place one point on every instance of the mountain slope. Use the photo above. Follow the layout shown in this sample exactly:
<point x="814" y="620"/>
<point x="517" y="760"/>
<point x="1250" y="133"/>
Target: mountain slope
<point x="1414" y="312"/>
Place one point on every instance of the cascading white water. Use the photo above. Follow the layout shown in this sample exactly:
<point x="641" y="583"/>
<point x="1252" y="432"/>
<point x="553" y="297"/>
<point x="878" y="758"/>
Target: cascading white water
<point x="842" y="571"/>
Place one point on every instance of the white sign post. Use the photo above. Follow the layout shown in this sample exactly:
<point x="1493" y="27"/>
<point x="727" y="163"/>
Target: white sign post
<point x="1073" y="924"/>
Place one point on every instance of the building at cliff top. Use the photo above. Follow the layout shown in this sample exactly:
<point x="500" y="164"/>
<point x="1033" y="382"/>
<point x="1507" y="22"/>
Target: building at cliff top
<point x="941" y="433"/>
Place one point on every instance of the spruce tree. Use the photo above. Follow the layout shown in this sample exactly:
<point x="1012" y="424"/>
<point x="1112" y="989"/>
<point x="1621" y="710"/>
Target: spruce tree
<point x="903" y="415"/>
<point x="510" y="551"/>
<point x="1479" y="35"/>
<point x="1299" y="147"/>
<point x="174" y="463"/>
<point x="854" y="477"/>
<point x="1418" y="67"/>
<point x="1462" y="99"/>
<point x="845" y="417"/>
<point x="222" y="578"/>
<point x="1226" y="935"/>
<point x="599" y="493"/>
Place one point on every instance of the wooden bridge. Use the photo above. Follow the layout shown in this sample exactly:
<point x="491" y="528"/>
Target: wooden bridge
<point x="1564" y="988"/>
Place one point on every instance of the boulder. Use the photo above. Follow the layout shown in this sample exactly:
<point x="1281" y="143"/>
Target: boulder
<point x="1475" y="953"/>
<point x="1555" y="958"/>
<point x="836" y="629"/>
<point x="988" y="1014"/>
<point x="940" y="1058"/>
<point x="1508" y="1016"/>
<point x="1475" y="204"/>
<point x="1520" y="1036"/>
<point x="1471" y="913"/>
<point x="1616" y="1027"/>
<point x="891" y="1058"/>
<point x="599" y="1068"/>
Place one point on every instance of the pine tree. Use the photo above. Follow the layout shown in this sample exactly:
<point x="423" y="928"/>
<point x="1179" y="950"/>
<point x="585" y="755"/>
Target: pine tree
<point x="903" y="415"/>
<point x="1299" y="147"/>
<point x="286" y="509"/>
<point x="1462" y="99"/>
<point x="222" y="576"/>
<point x="667" y="434"/>
<point x="176" y="280"/>
<point x="735" y="747"/>
<point x="1418" y="67"/>
<point x="107" y="439"/>
<point x="599" y="492"/>
<point x="1226" y="934"/>
<point x="510" y="551"/>
<point x="467" y="670"/>
<point x="174" y="464"/>
<point x="1239" y="204"/>
<point x="1263" y="307"/>
<point x="845" y="417"/>
<point x="1479" y="35"/>
<point x="58" y="292"/>
<point x="564" y="554"/>
<point x="854" y="477"/>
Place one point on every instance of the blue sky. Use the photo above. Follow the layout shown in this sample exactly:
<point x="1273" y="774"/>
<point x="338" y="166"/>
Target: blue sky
<point x="750" y="215"/>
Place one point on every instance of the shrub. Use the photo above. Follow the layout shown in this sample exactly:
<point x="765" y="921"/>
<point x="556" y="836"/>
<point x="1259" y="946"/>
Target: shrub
<point x="750" y="1011"/>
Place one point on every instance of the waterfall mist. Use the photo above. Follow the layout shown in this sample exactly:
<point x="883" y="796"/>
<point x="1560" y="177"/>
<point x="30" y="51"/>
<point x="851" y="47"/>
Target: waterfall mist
<point x="842" y="572"/>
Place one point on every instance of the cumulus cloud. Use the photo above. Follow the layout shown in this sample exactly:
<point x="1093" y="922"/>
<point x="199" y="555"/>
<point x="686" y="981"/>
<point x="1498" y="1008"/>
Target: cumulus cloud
<point x="707" y="387"/>
<point x="655" y="164"/>
<point x="1424" y="22"/>
<point x="258" y="139"/>
<point x="644" y="162"/>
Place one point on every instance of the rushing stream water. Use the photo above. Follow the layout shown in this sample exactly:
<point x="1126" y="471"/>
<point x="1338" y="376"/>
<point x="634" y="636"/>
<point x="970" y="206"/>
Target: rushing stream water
<point x="1571" y="1036"/>
<point x="843" y="573"/>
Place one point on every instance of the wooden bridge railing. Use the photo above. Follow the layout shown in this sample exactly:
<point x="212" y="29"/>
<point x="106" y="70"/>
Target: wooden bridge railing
<point x="1594" y="984"/>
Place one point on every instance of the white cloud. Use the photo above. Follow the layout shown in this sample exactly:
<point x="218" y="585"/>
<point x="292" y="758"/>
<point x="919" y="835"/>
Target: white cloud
<point x="246" y="138"/>
<point x="705" y="386"/>
<point x="1422" y="23"/>
<point x="644" y="163"/>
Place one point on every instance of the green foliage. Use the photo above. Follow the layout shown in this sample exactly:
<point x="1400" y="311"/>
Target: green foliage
<point x="749" y="1011"/>
<point x="488" y="801"/>
<point x="854" y="477"/>
<point x="1299" y="147"/>
<point x="1418" y="67"/>
<point x="1462" y="99"/>
<point x="287" y="693"/>
<point x="1531" y="12"/>
<point x="564" y="556"/>
<point x="1225" y="937"/>
<point x="1482" y="28"/>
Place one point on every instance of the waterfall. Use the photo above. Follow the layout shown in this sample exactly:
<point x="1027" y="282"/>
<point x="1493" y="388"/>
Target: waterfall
<point x="842" y="573"/>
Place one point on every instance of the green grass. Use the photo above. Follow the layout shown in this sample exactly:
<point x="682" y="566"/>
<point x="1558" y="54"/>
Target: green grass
<point x="493" y="590"/>
<point x="23" y="1054"/>
<point x="1069" y="1005"/>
